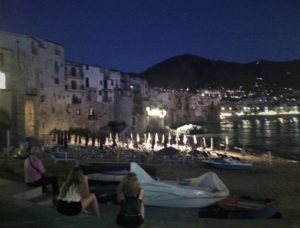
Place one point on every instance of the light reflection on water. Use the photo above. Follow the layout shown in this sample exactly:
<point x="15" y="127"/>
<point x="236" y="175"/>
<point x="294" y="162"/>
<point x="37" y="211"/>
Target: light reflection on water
<point x="281" y="135"/>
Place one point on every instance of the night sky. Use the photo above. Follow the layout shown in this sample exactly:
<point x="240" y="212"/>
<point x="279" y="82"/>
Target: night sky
<point x="132" y="35"/>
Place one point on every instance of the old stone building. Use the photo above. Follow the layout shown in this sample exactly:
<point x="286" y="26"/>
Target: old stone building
<point x="34" y="73"/>
<point x="41" y="91"/>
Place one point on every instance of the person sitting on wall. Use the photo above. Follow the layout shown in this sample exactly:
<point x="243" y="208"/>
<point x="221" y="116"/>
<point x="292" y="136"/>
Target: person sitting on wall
<point x="75" y="197"/>
<point x="35" y="173"/>
<point x="130" y="196"/>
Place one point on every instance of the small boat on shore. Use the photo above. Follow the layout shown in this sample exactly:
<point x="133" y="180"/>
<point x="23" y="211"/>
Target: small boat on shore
<point x="242" y="207"/>
<point x="246" y="207"/>
<point x="228" y="163"/>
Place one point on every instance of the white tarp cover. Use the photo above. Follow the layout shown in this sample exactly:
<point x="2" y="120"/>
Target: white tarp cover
<point x="196" y="192"/>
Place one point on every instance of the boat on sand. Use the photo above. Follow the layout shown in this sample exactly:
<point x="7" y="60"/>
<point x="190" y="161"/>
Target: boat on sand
<point x="243" y="207"/>
<point x="228" y="163"/>
<point x="196" y="192"/>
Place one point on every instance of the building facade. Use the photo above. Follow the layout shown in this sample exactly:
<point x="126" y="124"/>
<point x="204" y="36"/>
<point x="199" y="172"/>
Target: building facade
<point x="41" y="91"/>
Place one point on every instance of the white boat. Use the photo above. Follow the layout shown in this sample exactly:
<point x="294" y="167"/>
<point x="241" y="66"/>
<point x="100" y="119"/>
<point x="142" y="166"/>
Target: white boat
<point x="197" y="192"/>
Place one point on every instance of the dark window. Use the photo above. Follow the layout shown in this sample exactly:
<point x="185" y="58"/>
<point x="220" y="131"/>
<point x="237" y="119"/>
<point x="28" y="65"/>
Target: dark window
<point x="87" y="82"/>
<point x="100" y="93"/>
<point x="76" y="100"/>
<point x="73" y="85"/>
<point x="1" y="59"/>
<point x="56" y="80"/>
<point x="53" y="110"/>
<point x="92" y="111"/>
<point x="101" y="82"/>
<point x="73" y="71"/>
<point x="80" y="72"/>
<point x="92" y="115"/>
<point x="57" y="51"/>
<point x="87" y="67"/>
<point x="105" y="84"/>
<point x="112" y="82"/>
<point x="56" y="68"/>
<point x="43" y="98"/>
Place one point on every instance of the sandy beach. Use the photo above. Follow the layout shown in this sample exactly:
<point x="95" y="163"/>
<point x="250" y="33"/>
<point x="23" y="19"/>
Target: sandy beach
<point x="279" y="180"/>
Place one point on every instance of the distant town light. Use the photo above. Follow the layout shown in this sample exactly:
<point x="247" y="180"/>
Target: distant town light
<point x="2" y="80"/>
<point x="240" y="113"/>
<point x="223" y="115"/>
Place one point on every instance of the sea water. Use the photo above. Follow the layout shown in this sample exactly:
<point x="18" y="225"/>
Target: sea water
<point x="279" y="135"/>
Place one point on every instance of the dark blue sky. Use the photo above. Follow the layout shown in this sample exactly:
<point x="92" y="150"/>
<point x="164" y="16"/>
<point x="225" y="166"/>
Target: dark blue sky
<point x="132" y="35"/>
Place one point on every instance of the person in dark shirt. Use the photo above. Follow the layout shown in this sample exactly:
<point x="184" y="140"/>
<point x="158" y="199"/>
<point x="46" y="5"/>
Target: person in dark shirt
<point x="130" y="196"/>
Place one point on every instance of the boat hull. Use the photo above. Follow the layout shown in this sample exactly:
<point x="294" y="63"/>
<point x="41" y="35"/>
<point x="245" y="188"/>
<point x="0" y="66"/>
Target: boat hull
<point x="248" y="207"/>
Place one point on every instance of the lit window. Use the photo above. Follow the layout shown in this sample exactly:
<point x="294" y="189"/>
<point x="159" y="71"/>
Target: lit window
<point x="92" y="111"/>
<point x="2" y="81"/>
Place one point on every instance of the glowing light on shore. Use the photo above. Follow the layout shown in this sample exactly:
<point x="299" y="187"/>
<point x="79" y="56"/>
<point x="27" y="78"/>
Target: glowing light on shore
<point x="267" y="113"/>
<point x="204" y="142"/>
<point x="195" y="139"/>
<point x="161" y="113"/>
<point x="156" y="137"/>
<point x="184" y="139"/>
<point x="225" y="114"/>
<point x="149" y="138"/>
<point x="117" y="138"/>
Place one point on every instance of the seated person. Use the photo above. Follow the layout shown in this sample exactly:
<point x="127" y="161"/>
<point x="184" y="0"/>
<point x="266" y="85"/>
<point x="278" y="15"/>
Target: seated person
<point x="35" y="173"/>
<point x="75" y="197"/>
<point x="130" y="195"/>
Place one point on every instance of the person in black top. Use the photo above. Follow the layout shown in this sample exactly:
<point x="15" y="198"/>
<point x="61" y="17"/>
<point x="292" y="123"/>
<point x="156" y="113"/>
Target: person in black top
<point x="130" y="196"/>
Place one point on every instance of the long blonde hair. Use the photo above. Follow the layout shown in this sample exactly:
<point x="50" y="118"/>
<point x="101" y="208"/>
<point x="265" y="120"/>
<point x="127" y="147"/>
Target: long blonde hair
<point x="74" y="177"/>
<point x="129" y="186"/>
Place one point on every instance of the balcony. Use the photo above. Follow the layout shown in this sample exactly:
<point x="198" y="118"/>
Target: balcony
<point x="76" y="100"/>
<point x="75" y="88"/>
<point x="31" y="91"/>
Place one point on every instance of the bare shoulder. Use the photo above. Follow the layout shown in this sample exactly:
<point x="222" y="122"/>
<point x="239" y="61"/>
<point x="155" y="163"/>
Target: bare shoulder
<point x="141" y="195"/>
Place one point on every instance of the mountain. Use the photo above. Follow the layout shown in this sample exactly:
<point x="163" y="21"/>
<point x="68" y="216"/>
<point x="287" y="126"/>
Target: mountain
<point x="194" y="72"/>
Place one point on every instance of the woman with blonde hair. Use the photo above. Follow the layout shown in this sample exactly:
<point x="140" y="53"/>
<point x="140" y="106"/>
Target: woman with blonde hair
<point x="75" y="197"/>
<point x="130" y="196"/>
